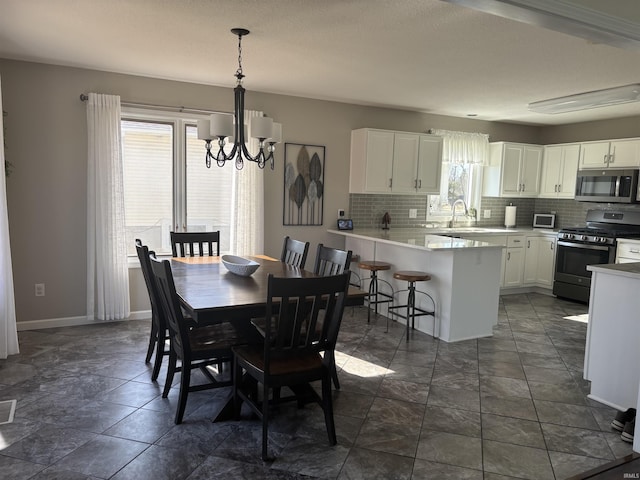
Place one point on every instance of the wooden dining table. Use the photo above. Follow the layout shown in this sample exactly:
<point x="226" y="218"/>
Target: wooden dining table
<point x="211" y="294"/>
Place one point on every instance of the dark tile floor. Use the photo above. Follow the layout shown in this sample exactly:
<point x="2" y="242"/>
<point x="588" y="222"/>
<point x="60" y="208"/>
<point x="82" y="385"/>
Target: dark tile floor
<point x="510" y="406"/>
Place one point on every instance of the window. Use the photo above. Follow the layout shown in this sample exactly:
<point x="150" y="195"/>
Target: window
<point x="463" y="155"/>
<point x="459" y="181"/>
<point x="166" y="183"/>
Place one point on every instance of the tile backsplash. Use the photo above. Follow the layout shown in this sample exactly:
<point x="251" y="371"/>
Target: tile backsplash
<point x="367" y="210"/>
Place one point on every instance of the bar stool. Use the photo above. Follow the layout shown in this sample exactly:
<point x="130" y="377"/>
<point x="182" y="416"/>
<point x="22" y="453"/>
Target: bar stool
<point x="412" y="311"/>
<point x="374" y="267"/>
<point x="354" y="279"/>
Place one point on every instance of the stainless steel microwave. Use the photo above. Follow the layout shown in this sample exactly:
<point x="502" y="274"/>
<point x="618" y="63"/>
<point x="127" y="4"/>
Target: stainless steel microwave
<point x="544" y="220"/>
<point x="608" y="186"/>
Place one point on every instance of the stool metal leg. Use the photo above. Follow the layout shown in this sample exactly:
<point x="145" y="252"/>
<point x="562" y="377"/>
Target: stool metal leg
<point x="373" y="287"/>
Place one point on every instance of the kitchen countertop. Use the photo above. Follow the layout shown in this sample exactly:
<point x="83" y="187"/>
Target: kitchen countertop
<point x="631" y="270"/>
<point x="434" y="238"/>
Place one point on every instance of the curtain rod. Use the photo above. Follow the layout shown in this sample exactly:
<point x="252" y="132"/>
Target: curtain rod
<point x="181" y="109"/>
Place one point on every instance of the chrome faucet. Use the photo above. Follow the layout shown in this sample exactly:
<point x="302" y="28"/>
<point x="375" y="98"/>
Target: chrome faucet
<point x="452" y="222"/>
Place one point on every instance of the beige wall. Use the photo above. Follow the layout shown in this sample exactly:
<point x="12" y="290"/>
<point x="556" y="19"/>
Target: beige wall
<point x="627" y="127"/>
<point x="46" y="141"/>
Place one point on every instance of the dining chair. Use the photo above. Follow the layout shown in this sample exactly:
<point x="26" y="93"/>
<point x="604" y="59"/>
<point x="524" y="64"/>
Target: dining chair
<point x="159" y="336"/>
<point x="181" y="240"/>
<point x="332" y="261"/>
<point x="294" y="252"/>
<point x="196" y="347"/>
<point x="291" y="354"/>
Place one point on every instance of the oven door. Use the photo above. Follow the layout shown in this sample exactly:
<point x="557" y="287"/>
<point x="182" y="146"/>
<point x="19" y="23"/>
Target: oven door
<point x="573" y="258"/>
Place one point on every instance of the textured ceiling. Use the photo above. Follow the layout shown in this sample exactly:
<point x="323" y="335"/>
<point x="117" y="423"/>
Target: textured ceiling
<point x="424" y="55"/>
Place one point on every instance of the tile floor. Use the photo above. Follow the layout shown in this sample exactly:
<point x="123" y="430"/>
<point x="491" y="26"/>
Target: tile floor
<point x="510" y="406"/>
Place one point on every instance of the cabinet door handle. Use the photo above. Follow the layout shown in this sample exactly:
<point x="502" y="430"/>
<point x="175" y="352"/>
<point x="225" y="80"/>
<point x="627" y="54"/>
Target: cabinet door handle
<point x="415" y="184"/>
<point x="508" y="256"/>
<point x="559" y="187"/>
<point x="390" y="182"/>
<point x="634" y="250"/>
<point x="555" y="188"/>
<point x="528" y="243"/>
<point x="420" y="183"/>
<point x="516" y="241"/>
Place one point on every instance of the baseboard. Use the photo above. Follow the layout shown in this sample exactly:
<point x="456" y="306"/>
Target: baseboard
<point x="75" y="321"/>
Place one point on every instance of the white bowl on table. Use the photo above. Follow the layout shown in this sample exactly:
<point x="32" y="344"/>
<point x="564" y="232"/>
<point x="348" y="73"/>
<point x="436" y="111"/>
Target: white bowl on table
<point x="240" y="266"/>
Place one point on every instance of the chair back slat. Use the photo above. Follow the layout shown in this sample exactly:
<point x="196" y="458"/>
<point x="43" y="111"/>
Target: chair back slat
<point x="294" y="252"/>
<point x="170" y="304"/>
<point x="331" y="261"/>
<point x="304" y="304"/>
<point x="192" y="243"/>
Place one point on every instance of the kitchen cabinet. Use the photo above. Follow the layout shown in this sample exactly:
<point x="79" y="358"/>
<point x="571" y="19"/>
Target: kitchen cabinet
<point x="622" y="153"/>
<point x="539" y="262"/>
<point x="559" y="169"/>
<point x="514" y="266"/>
<point x="513" y="170"/>
<point x="628" y="251"/>
<point x="384" y="161"/>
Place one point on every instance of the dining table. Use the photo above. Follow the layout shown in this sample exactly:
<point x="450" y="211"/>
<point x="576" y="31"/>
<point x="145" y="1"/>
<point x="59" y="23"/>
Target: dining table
<point x="211" y="294"/>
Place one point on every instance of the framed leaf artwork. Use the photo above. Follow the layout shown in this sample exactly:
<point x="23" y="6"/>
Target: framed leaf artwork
<point x="303" y="198"/>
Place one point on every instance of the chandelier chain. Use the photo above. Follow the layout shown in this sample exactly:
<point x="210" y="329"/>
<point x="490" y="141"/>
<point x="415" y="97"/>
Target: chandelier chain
<point x="239" y="74"/>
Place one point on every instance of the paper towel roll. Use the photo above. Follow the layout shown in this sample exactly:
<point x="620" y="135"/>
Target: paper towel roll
<point x="510" y="216"/>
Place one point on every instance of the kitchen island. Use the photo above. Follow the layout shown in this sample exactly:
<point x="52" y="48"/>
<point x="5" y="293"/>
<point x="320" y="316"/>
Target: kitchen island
<point x="465" y="277"/>
<point x="612" y="356"/>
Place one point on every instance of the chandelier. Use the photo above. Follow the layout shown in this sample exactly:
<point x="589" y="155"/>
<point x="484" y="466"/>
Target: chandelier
<point x="232" y="130"/>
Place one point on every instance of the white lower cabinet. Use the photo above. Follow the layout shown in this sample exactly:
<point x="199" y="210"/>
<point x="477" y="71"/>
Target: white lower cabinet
<point x="527" y="260"/>
<point x="514" y="266"/>
<point x="628" y="251"/>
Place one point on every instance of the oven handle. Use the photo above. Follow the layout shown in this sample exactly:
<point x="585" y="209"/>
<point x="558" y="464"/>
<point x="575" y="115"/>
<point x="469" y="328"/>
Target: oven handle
<point x="582" y="245"/>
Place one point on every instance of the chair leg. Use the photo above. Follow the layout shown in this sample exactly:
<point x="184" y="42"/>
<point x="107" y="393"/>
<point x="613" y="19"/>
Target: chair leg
<point x="157" y="363"/>
<point x="265" y="422"/>
<point x="153" y="339"/>
<point x="185" y="378"/>
<point x="327" y="406"/>
<point x="334" y="370"/>
<point x="171" y="369"/>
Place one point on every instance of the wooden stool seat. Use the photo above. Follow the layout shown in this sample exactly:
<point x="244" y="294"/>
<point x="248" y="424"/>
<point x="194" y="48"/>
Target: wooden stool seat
<point x="374" y="266"/>
<point x="412" y="276"/>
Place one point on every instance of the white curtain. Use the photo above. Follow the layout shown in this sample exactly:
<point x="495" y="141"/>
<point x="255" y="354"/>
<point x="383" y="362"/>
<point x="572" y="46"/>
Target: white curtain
<point x="8" y="330"/>
<point x="107" y="269"/>
<point x="247" y="223"/>
<point x="464" y="147"/>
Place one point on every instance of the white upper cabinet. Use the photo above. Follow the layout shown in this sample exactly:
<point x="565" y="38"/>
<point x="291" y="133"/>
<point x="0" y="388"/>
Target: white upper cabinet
<point x="623" y="153"/>
<point x="384" y="161"/>
<point x="513" y="170"/>
<point x="559" y="168"/>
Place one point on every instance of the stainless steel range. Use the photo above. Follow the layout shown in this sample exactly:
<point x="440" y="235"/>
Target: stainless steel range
<point x="592" y="244"/>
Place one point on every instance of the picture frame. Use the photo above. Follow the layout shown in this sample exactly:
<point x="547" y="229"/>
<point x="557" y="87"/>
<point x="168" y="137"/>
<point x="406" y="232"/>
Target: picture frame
<point x="304" y="187"/>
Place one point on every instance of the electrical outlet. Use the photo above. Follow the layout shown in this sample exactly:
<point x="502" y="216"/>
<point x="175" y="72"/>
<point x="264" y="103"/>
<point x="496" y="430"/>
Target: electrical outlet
<point x="341" y="212"/>
<point x="413" y="213"/>
<point x="487" y="214"/>
<point x="39" y="287"/>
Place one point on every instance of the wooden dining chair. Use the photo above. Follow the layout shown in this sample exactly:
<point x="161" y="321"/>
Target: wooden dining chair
<point x="195" y="347"/>
<point x="159" y="335"/>
<point x="332" y="261"/>
<point x="294" y="252"/>
<point x="291" y="352"/>
<point x="185" y="243"/>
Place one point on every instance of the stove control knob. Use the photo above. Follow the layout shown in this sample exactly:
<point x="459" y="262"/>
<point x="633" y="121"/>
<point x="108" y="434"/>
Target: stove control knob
<point x="601" y="239"/>
<point x="568" y="236"/>
<point x="584" y="237"/>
